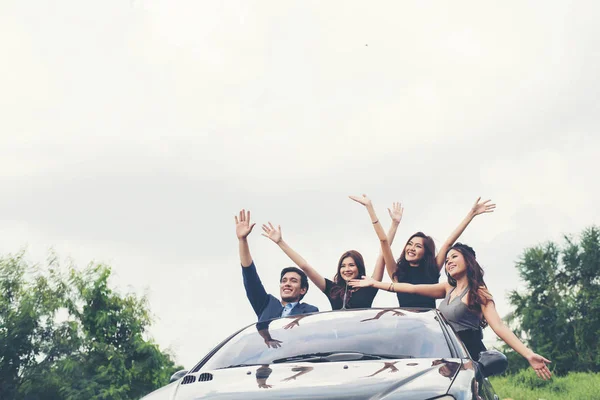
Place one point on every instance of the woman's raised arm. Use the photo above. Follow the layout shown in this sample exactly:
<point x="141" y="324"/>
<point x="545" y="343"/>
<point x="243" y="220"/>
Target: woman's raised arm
<point x="275" y="235"/>
<point x="386" y="250"/>
<point x="478" y="208"/>
<point x="396" y="215"/>
<point x="436" y="290"/>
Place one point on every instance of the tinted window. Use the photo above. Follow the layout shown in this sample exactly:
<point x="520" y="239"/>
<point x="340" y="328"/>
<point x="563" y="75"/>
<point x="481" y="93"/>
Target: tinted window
<point x="385" y="332"/>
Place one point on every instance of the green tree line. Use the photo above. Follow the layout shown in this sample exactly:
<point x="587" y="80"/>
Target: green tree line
<point x="558" y="313"/>
<point x="65" y="334"/>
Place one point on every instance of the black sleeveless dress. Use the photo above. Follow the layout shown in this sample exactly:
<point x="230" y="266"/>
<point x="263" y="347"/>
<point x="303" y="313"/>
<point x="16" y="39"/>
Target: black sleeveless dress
<point x="416" y="276"/>
<point x="361" y="298"/>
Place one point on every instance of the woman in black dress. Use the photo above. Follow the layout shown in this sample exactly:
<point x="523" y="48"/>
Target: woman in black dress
<point x="418" y="264"/>
<point x="350" y="265"/>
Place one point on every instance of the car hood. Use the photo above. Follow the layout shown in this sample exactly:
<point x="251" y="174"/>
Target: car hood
<point x="392" y="379"/>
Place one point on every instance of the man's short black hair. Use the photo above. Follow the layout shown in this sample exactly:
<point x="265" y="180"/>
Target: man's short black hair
<point x="303" y="278"/>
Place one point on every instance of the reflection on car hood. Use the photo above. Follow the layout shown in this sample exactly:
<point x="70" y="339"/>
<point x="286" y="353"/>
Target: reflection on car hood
<point x="386" y="379"/>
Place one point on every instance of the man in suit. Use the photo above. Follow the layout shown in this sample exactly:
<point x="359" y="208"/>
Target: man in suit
<point x="293" y="283"/>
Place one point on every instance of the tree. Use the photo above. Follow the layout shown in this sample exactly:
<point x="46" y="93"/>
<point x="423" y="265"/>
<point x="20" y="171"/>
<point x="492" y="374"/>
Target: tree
<point x="559" y="312"/>
<point x="69" y="336"/>
<point x="28" y="306"/>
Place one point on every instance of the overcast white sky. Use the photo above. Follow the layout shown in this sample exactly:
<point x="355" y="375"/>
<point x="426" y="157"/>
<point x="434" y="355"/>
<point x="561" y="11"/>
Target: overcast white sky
<point x="131" y="132"/>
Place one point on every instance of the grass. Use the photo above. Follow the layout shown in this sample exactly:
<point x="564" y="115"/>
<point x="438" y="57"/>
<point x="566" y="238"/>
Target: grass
<point x="525" y="385"/>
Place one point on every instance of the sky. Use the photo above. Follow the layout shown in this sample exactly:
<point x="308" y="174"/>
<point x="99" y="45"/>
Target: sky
<point x="132" y="132"/>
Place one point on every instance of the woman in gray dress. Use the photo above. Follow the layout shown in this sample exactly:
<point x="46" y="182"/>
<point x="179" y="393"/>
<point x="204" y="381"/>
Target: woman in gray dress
<point x="468" y="305"/>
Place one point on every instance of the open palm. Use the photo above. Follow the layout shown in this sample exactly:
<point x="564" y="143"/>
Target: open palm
<point x="538" y="363"/>
<point x="272" y="233"/>
<point x="481" y="207"/>
<point x="396" y="212"/>
<point x="243" y="227"/>
<point x="364" y="200"/>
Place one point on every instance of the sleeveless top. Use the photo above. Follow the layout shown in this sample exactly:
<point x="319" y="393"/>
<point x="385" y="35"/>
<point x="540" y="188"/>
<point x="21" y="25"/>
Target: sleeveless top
<point x="458" y="314"/>
<point x="361" y="298"/>
<point x="416" y="276"/>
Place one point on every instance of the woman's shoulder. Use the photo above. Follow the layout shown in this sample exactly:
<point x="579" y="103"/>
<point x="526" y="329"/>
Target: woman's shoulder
<point x="484" y="294"/>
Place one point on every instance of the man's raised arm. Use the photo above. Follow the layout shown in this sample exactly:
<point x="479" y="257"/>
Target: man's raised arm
<point x="255" y="290"/>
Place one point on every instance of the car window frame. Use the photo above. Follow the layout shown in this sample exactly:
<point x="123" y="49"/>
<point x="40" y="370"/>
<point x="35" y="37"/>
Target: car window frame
<point x="457" y="348"/>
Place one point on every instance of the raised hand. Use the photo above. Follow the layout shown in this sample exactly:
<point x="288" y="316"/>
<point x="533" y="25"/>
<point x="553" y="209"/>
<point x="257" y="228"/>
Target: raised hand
<point x="272" y="233"/>
<point x="366" y="281"/>
<point x="538" y="363"/>
<point x="364" y="200"/>
<point x="396" y="212"/>
<point x="243" y="227"/>
<point x="481" y="207"/>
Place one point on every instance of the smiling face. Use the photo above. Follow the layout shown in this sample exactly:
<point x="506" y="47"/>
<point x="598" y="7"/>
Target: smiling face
<point x="348" y="269"/>
<point x="455" y="264"/>
<point x="290" y="288"/>
<point x="414" y="250"/>
<point x="351" y="265"/>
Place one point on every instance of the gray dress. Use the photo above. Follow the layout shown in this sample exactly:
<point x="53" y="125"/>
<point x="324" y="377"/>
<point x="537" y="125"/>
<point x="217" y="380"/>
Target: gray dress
<point x="465" y="322"/>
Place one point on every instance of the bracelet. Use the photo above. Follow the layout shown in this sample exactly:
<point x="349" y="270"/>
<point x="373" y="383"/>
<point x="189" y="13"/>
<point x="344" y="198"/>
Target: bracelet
<point x="375" y="222"/>
<point x="391" y="287"/>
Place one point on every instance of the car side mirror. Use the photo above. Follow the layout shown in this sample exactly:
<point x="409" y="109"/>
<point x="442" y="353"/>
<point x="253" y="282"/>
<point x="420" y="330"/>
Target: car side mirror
<point x="178" y="375"/>
<point x="492" y="362"/>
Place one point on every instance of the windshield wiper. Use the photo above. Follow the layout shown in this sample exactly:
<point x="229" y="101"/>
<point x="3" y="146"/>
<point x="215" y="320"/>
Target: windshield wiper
<point x="338" y="356"/>
<point x="239" y="365"/>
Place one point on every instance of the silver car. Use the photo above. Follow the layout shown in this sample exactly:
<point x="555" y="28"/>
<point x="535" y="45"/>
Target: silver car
<point x="347" y="354"/>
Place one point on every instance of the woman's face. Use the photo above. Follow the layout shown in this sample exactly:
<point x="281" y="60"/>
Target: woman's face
<point x="348" y="269"/>
<point x="414" y="250"/>
<point x="455" y="264"/>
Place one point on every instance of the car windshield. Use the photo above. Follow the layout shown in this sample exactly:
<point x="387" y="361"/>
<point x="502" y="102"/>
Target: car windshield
<point x="335" y="336"/>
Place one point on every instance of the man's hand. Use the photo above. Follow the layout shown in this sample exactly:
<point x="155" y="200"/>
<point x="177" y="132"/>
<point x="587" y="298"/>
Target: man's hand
<point x="243" y="227"/>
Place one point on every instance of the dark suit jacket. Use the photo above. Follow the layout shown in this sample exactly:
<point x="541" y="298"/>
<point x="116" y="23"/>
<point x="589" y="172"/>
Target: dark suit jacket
<point x="265" y="305"/>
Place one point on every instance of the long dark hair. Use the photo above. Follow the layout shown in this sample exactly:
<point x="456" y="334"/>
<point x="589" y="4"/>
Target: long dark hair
<point x="339" y="283"/>
<point x="478" y="292"/>
<point x="427" y="264"/>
